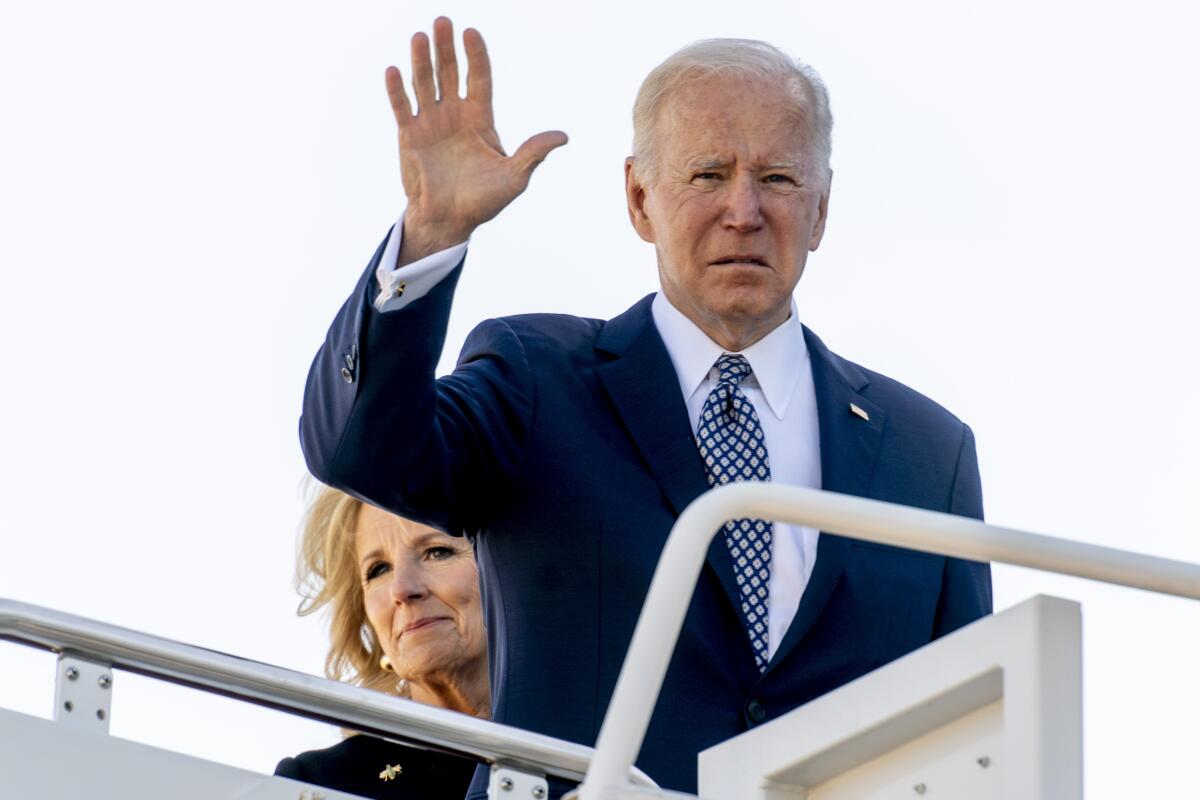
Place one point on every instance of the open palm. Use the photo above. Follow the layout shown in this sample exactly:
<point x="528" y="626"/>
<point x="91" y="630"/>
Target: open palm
<point x="455" y="172"/>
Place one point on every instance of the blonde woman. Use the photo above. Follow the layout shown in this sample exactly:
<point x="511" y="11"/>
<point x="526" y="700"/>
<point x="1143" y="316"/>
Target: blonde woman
<point x="405" y="619"/>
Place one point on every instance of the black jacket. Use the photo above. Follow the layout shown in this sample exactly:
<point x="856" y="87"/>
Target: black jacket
<point x="360" y="765"/>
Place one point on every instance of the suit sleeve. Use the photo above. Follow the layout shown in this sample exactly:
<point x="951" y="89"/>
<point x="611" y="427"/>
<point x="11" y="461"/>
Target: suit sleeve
<point x="376" y="423"/>
<point x="966" y="585"/>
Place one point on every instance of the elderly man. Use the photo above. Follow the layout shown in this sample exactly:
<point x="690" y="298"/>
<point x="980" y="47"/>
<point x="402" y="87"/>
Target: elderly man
<point x="567" y="447"/>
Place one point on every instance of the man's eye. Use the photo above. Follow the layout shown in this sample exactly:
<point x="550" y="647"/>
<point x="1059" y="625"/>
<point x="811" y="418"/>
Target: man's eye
<point x="376" y="569"/>
<point x="706" y="176"/>
<point x="778" y="179"/>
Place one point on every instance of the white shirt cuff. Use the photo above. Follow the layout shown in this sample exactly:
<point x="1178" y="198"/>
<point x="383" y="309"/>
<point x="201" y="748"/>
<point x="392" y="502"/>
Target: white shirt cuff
<point x="400" y="286"/>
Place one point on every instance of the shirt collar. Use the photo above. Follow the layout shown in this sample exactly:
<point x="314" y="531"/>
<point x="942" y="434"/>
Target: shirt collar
<point x="777" y="359"/>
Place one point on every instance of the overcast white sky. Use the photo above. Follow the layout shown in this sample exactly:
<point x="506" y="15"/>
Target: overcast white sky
<point x="190" y="190"/>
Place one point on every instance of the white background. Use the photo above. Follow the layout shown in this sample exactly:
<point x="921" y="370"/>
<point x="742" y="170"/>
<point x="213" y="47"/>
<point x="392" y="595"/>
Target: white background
<point x="188" y="191"/>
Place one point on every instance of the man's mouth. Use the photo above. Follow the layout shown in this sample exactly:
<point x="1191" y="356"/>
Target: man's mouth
<point x="747" y="259"/>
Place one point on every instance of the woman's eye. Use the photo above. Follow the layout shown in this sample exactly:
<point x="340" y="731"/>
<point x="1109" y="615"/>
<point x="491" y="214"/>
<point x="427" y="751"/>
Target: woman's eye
<point x="439" y="553"/>
<point x="376" y="569"/>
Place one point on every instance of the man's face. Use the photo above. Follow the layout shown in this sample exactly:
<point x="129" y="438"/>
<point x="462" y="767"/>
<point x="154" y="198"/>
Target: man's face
<point x="733" y="206"/>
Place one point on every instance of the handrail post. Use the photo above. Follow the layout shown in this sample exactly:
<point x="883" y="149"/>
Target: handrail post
<point x="654" y="640"/>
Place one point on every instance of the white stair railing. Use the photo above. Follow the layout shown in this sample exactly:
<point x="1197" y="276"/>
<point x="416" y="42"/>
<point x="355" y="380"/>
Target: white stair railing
<point x="89" y="650"/>
<point x="85" y="645"/>
<point x="683" y="556"/>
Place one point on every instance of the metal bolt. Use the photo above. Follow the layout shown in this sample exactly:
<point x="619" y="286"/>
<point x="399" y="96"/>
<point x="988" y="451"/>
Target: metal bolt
<point x="506" y="784"/>
<point x="984" y="761"/>
<point x="72" y="673"/>
<point x="539" y="792"/>
<point x="104" y="680"/>
<point x="920" y="788"/>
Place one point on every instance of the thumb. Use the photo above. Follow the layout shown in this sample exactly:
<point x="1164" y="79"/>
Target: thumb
<point x="535" y="149"/>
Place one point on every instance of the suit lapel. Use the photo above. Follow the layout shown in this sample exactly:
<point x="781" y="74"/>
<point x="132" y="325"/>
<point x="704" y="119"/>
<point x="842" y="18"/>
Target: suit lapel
<point x="849" y="449"/>
<point x="640" y="381"/>
<point x="643" y="388"/>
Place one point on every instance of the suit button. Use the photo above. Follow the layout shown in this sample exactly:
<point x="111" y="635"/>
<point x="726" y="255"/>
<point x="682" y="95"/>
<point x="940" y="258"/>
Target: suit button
<point x="349" y="361"/>
<point x="347" y="375"/>
<point x="755" y="711"/>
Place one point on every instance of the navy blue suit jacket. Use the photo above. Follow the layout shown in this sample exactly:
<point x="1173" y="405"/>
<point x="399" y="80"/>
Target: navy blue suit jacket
<point x="563" y="446"/>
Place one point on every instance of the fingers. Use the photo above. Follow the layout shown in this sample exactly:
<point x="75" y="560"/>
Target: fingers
<point x="397" y="96"/>
<point x="447" y="61"/>
<point x="536" y="148"/>
<point x="422" y="66"/>
<point x="479" y="68"/>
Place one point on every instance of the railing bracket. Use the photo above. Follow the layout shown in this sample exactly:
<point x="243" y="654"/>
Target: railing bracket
<point x="507" y="783"/>
<point x="83" y="692"/>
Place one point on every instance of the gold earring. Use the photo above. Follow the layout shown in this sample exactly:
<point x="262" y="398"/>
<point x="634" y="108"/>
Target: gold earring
<point x="386" y="663"/>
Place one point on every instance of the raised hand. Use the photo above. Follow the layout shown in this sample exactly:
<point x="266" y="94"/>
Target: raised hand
<point x="455" y="173"/>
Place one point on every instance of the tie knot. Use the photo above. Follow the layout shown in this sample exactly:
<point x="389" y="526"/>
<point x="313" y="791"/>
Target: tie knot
<point x="732" y="368"/>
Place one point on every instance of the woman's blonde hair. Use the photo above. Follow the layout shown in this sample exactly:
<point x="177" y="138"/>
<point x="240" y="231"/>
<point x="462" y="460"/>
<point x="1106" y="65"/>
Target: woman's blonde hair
<point x="327" y="576"/>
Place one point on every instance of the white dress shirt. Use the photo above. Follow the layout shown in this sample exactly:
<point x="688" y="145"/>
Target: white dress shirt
<point x="412" y="280"/>
<point x="780" y="387"/>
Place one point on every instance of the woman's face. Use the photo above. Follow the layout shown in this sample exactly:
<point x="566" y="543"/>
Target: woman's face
<point x="421" y="592"/>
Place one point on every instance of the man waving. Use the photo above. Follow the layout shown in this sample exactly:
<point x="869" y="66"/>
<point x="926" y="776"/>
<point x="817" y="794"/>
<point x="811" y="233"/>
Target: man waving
<point x="567" y="447"/>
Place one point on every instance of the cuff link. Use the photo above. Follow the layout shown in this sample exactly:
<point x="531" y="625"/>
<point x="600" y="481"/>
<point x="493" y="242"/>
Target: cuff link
<point x="399" y="290"/>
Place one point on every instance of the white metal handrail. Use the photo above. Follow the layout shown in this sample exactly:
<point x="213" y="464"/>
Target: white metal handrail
<point x="296" y="692"/>
<point x="658" y="627"/>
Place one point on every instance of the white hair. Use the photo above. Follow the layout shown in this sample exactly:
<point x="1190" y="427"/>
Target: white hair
<point x="747" y="58"/>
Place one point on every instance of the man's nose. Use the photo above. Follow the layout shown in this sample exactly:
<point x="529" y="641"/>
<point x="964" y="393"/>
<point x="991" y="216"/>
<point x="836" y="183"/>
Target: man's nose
<point x="743" y="206"/>
<point x="408" y="583"/>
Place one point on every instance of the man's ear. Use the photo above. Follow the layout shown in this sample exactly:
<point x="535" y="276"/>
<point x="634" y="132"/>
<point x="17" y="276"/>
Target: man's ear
<point x="635" y="198"/>
<point x="822" y="214"/>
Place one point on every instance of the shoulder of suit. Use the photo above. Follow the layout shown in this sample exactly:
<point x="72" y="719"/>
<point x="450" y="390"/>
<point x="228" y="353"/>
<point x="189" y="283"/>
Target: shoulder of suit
<point x="900" y="399"/>
<point x="559" y="332"/>
<point x="544" y="323"/>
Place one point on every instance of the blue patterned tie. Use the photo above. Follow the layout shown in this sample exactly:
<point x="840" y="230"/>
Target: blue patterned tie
<point x="733" y="449"/>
